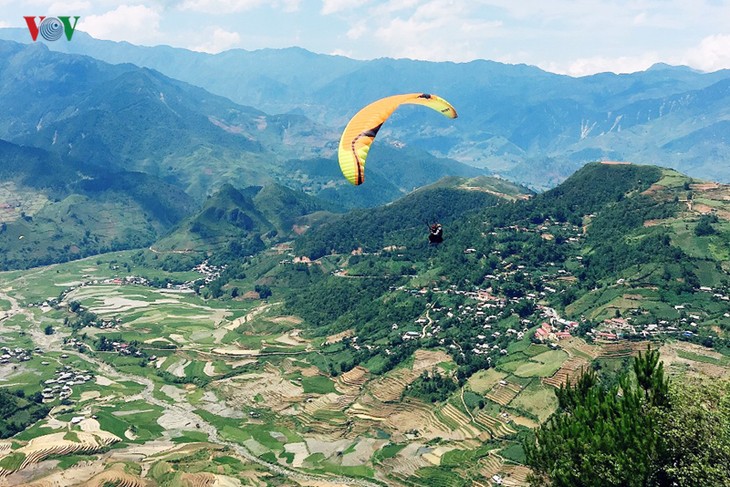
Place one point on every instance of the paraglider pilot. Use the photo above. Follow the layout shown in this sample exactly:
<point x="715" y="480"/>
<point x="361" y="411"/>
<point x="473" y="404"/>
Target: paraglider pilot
<point x="435" y="234"/>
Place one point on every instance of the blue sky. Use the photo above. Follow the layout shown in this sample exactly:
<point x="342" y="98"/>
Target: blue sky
<point x="576" y="37"/>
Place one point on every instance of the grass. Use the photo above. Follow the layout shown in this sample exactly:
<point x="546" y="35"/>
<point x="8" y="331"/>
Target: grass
<point x="723" y="362"/>
<point x="455" y="458"/>
<point x="484" y="380"/>
<point x="318" y="384"/>
<point x="191" y="437"/>
<point x="142" y="420"/>
<point x="12" y="461"/>
<point x="514" y="452"/>
<point x="439" y="477"/>
<point x="537" y="399"/>
<point x="71" y="436"/>
<point x="543" y="365"/>
<point x="388" y="451"/>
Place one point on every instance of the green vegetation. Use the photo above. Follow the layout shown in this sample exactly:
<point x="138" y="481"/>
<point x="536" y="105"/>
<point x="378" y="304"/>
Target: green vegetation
<point x="13" y="461"/>
<point x="388" y="451"/>
<point x="648" y="434"/>
<point x="318" y="384"/>
<point x="18" y="412"/>
<point x="432" y="387"/>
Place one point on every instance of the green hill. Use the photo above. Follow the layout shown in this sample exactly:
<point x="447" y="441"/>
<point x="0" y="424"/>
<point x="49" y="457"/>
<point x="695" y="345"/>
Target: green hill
<point x="53" y="209"/>
<point x="645" y="244"/>
<point x="242" y="220"/>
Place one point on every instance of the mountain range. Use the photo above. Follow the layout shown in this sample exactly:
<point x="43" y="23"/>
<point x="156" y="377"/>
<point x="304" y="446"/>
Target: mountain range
<point x="516" y="120"/>
<point x="85" y="136"/>
<point x="130" y="118"/>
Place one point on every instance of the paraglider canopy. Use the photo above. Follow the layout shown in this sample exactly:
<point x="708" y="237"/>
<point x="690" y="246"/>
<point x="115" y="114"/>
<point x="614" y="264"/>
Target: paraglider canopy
<point x="364" y="126"/>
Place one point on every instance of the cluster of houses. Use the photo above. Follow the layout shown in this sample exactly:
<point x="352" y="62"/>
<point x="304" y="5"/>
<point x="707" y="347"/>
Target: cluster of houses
<point x="119" y="281"/>
<point x="60" y="387"/>
<point x="15" y="355"/>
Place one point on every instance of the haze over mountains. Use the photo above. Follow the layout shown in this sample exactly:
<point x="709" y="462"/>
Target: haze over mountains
<point x="519" y="121"/>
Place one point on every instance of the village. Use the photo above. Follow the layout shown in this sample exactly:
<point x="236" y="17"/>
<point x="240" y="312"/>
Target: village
<point x="484" y="309"/>
<point x="16" y="355"/>
<point x="61" y="386"/>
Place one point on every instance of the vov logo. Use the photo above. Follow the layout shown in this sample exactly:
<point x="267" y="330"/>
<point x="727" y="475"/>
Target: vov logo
<point x="51" y="28"/>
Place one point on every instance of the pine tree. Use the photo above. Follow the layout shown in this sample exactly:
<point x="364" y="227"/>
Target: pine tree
<point x="603" y="437"/>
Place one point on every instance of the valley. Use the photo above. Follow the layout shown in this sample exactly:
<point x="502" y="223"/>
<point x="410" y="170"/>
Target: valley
<point x="161" y="382"/>
<point x="191" y="294"/>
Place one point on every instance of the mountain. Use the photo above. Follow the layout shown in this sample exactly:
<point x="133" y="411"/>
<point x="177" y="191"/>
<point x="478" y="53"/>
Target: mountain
<point x="446" y="201"/>
<point x="244" y="220"/>
<point x="533" y="126"/>
<point x="137" y="119"/>
<point x="640" y="243"/>
<point x="54" y="209"/>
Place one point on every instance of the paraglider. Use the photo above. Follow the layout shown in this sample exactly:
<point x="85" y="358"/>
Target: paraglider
<point x="364" y="126"/>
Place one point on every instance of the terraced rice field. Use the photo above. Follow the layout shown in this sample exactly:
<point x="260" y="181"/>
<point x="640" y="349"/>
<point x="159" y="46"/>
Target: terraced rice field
<point x="490" y="465"/>
<point x="515" y="476"/>
<point x="496" y="426"/>
<point x="570" y="370"/>
<point x="503" y="392"/>
<point x="118" y="477"/>
<point x="460" y="423"/>
<point x="622" y="348"/>
<point x="42" y="447"/>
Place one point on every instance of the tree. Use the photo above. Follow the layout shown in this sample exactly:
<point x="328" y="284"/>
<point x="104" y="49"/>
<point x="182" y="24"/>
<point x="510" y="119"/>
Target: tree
<point x="48" y="330"/>
<point x="643" y="432"/>
<point x="704" y="226"/>
<point x="695" y="433"/>
<point x="263" y="290"/>
<point x="602" y="436"/>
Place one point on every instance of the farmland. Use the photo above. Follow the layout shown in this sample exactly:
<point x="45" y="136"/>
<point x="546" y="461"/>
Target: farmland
<point x="183" y="388"/>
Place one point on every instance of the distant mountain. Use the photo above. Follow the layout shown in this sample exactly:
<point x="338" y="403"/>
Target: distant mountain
<point x="522" y="122"/>
<point x="130" y="118"/>
<point x="55" y="209"/>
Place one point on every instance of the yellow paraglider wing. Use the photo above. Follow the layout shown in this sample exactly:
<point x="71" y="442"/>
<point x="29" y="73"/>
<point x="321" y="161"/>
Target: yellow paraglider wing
<point x="363" y="127"/>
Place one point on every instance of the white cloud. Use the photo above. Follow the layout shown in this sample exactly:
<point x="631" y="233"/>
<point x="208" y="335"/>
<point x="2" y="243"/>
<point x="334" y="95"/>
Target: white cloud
<point x="438" y="30"/>
<point x="334" y="6"/>
<point x="357" y="31"/>
<point x="713" y="53"/>
<point x="640" y="19"/>
<point x="221" y="6"/>
<point x="133" y="23"/>
<point x="4" y="24"/>
<point x="218" y="7"/>
<point x="69" y="8"/>
<point x="219" y="40"/>
<point x="600" y="64"/>
<point x="290" y="5"/>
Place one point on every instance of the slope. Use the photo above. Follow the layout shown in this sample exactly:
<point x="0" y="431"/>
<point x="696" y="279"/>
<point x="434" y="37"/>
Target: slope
<point x="55" y="209"/>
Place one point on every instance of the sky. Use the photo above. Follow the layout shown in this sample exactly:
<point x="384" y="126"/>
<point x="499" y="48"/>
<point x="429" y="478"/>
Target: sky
<point x="574" y="37"/>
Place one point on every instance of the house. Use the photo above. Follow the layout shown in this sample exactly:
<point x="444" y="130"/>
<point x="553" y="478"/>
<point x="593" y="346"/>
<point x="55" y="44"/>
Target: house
<point x="411" y="335"/>
<point x="562" y="335"/>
